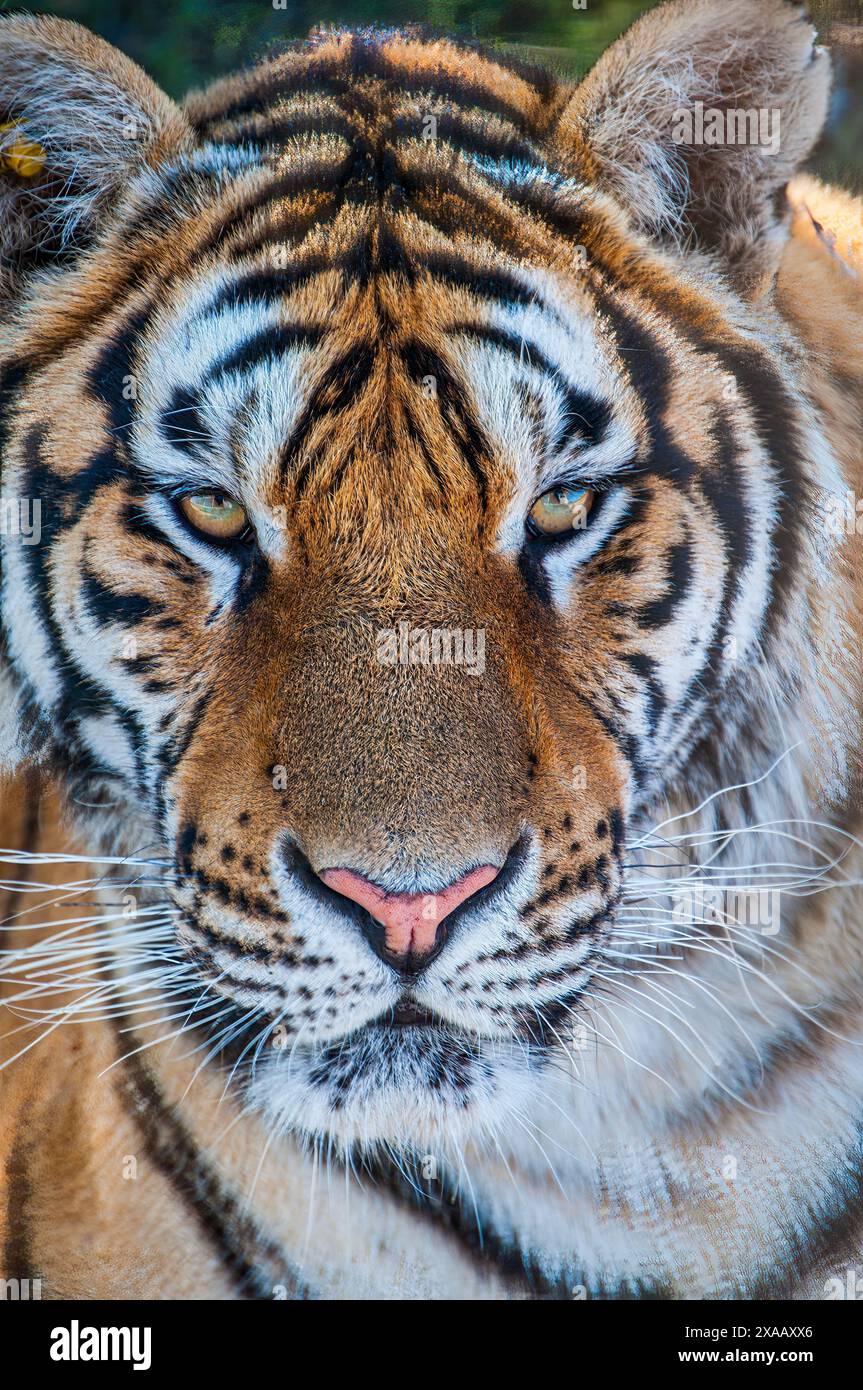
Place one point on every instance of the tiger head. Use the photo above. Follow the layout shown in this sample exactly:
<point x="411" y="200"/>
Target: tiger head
<point x="419" y="477"/>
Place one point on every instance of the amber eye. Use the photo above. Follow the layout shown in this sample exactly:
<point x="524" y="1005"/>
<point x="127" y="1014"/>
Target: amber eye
<point x="215" y="514"/>
<point x="561" y="510"/>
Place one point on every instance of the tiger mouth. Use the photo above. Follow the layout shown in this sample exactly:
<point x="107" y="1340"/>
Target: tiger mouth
<point x="409" y="1026"/>
<point x="411" y="1015"/>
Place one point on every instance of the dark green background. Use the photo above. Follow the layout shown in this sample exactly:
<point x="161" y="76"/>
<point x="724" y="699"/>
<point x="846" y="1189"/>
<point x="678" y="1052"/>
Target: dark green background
<point x="184" y="43"/>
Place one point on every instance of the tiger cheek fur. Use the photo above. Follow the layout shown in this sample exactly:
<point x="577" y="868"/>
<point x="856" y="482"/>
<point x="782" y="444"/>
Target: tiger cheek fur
<point x="424" y="783"/>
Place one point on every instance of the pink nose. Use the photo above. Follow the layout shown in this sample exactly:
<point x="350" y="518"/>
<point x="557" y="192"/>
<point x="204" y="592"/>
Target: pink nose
<point x="410" y="920"/>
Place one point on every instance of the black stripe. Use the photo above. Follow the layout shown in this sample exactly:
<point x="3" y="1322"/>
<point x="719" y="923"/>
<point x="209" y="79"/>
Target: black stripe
<point x="281" y="128"/>
<point x="290" y="230"/>
<point x="105" y="605"/>
<point x="316" y="76"/>
<point x="251" y="584"/>
<point x="441" y="188"/>
<point x="825" y="1238"/>
<point x="18" y="1259"/>
<point x="338" y="76"/>
<point x="255" y="1263"/>
<point x="337" y="388"/>
<point x="480" y="281"/>
<point x="269" y="342"/>
<point x="540" y="198"/>
<point x="723" y="486"/>
<point x="269" y="283"/>
<point x="178" y="195"/>
<point x="646" y="669"/>
<point x="423" y="361"/>
<point x="418" y="439"/>
<point x="318" y="177"/>
<point x="649" y="368"/>
<point x="62" y="502"/>
<point x="776" y="421"/>
<point x="13" y="382"/>
<point x="584" y="413"/>
<point x="136" y="521"/>
<point x="449" y="1208"/>
<point x="533" y="572"/>
<point x="541" y="79"/>
<point x="112" y="377"/>
<point x="448" y="86"/>
<point x="625" y="743"/>
<point x="678" y="577"/>
<point x="182" y="423"/>
<point x="172" y="753"/>
<point x="455" y="134"/>
<point x="774" y="409"/>
<point x="387" y="254"/>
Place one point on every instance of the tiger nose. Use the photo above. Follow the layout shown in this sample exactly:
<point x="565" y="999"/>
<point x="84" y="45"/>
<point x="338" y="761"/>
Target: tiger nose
<point x="410" y="920"/>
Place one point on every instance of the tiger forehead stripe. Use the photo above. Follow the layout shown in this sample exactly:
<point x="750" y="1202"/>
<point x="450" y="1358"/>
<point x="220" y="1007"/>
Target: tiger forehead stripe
<point x="316" y="190"/>
<point x="294" y="82"/>
<point x="293" y="198"/>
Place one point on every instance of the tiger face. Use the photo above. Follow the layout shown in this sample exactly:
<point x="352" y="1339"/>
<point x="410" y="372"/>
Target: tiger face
<point x="421" y="467"/>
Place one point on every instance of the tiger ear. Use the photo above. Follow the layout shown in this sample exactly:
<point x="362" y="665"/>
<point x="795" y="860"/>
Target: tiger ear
<point x="695" y="120"/>
<point x="77" y="119"/>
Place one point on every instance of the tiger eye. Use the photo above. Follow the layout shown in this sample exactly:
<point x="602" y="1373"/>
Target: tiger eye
<point x="560" y="510"/>
<point x="215" y="514"/>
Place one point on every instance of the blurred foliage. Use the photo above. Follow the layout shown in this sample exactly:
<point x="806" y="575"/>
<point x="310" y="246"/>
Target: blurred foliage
<point x="839" y="156"/>
<point x="185" y="43"/>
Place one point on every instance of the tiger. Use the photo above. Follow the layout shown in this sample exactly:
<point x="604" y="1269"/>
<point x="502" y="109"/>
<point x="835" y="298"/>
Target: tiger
<point x="430" y="671"/>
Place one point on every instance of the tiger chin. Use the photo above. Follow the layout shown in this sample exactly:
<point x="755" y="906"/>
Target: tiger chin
<point x="430" y="679"/>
